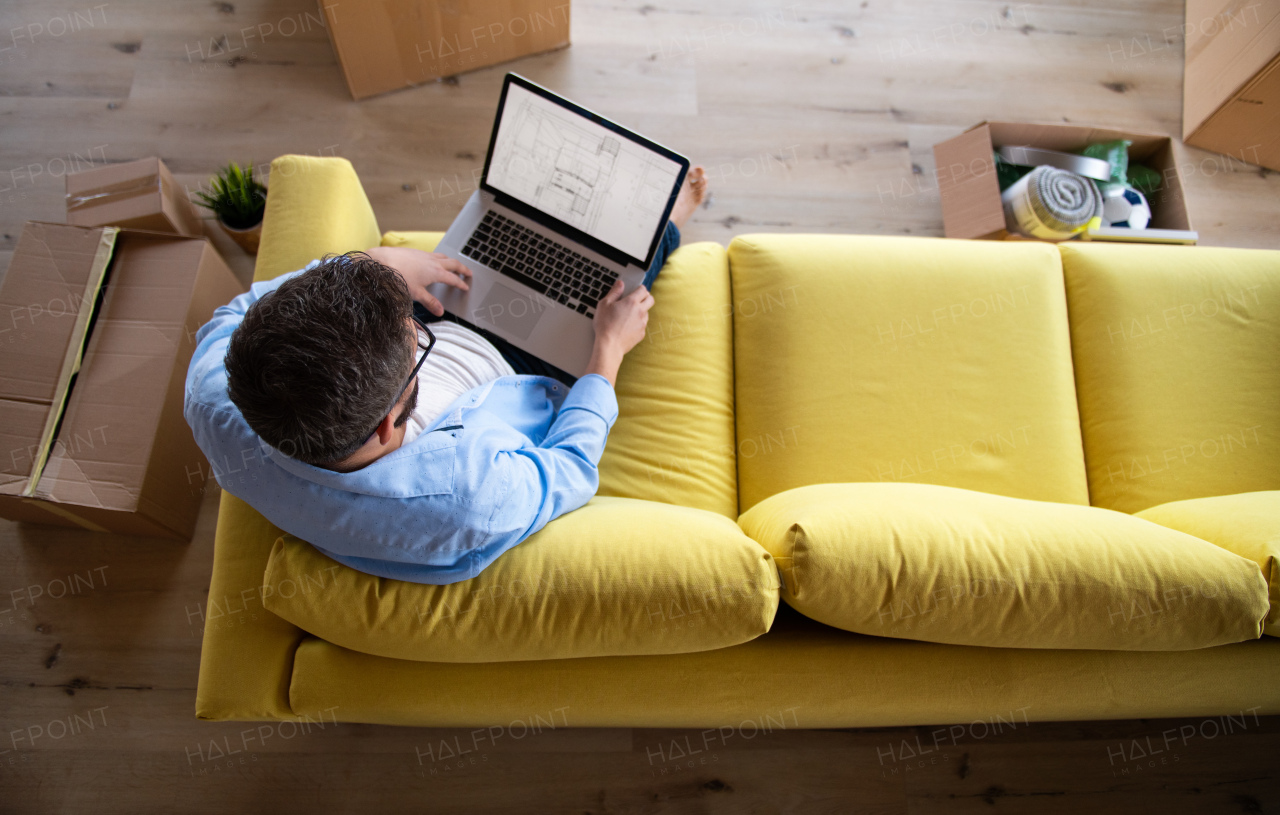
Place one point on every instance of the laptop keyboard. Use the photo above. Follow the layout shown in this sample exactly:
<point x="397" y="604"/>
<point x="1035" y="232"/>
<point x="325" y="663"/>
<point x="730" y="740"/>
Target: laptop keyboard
<point x="539" y="263"/>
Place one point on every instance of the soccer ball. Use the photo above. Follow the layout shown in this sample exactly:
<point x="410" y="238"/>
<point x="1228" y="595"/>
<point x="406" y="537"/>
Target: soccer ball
<point x="1124" y="206"/>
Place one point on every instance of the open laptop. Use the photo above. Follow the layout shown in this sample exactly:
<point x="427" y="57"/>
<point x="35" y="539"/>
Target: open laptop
<point x="569" y="203"/>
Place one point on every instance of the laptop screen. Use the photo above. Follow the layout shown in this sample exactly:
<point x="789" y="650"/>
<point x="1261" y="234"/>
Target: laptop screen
<point x="600" y="180"/>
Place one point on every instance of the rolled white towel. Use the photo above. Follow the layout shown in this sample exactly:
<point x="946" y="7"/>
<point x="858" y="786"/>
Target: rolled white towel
<point x="1051" y="204"/>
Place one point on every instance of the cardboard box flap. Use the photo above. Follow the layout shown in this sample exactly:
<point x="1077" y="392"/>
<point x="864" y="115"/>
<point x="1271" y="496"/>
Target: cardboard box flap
<point x="52" y="283"/>
<point x="104" y="444"/>
<point x="1227" y="43"/>
<point x="21" y="425"/>
<point x="966" y="182"/>
<point x="47" y="302"/>
<point x="175" y="452"/>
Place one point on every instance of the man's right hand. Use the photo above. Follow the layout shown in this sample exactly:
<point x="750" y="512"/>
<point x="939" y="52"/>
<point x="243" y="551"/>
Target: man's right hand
<point x="420" y="269"/>
<point x="620" y="323"/>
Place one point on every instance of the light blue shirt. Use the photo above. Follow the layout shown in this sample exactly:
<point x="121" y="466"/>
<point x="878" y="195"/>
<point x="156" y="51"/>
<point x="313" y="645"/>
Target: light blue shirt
<point x="502" y="461"/>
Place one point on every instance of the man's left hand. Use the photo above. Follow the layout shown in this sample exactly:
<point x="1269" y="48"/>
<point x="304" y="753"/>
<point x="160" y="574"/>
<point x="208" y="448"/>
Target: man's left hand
<point x="420" y="269"/>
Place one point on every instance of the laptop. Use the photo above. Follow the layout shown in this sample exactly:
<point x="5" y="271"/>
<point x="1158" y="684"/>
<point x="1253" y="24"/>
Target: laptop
<point x="569" y="203"/>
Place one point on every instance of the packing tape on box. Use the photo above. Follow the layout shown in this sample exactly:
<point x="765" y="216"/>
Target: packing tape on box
<point x="111" y="193"/>
<point x="1095" y="168"/>
<point x="1050" y="203"/>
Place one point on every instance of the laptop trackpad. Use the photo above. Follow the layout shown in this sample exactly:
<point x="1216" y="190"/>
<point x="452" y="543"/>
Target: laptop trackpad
<point x="510" y="310"/>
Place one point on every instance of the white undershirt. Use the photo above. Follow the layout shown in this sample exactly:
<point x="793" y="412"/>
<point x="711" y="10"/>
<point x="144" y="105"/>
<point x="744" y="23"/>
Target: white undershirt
<point x="461" y="360"/>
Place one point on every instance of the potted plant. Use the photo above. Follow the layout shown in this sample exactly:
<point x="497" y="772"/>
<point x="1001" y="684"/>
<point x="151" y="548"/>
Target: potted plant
<point x="239" y="202"/>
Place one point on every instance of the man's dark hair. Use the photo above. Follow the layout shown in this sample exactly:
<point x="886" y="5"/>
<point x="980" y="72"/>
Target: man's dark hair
<point x="315" y="364"/>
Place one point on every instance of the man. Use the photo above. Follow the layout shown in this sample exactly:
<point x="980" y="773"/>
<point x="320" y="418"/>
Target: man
<point x="404" y="445"/>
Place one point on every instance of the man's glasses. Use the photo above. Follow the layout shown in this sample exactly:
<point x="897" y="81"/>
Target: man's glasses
<point x="425" y="349"/>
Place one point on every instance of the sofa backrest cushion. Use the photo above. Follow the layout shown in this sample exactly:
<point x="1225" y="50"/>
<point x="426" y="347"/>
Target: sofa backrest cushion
<point x="673" y="441"/>
<point x="940" y="564"/>
<point x="1177" y="359"/>
<point x="903" y="359"/>
<point x="616" y="577"/>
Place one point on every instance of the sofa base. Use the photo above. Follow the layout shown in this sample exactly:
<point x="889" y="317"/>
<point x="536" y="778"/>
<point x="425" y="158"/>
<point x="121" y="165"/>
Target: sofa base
<point x="800" y="675"/>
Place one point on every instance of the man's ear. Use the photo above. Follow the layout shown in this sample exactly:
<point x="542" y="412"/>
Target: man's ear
<point x="385" y="428"/>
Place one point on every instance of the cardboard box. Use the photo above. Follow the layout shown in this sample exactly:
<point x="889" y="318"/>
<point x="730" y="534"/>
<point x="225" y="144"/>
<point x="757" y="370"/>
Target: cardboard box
<point x="138" y="194"/>
<point x="970" y="193"/>
<point x="393" y="44"/>
<point x="98" y="326"/>
<point x="1231" y="79"/>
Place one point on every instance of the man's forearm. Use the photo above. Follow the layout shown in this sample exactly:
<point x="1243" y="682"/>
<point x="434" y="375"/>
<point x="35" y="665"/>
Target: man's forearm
<point x="605" y="360"/>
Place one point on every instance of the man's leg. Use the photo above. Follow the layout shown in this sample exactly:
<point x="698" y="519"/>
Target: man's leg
<point x="670" y="241"/>
<point x="692" y="195"/>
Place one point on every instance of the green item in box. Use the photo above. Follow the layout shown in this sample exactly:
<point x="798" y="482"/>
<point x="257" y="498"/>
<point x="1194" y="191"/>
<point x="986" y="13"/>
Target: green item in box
<point x="1143" y="178"/>
<point x="1116" y="152"/>
<point x="1006" y="173"/>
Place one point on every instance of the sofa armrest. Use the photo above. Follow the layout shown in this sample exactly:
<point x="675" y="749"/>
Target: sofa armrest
<point x="314" y="206"/>
<point x="246" y="659"/>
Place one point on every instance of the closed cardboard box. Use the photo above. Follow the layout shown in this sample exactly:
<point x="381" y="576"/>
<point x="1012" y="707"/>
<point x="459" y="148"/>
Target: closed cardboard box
<point x="99" y="326"/>
<point x="1231" y="79"/>
<point x="387" y="45"/>
<point x="970" y="191"/>
<point x="139" y="194"/>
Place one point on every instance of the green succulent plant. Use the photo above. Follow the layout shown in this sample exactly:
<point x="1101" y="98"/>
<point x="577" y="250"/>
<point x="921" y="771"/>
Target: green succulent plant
<point x="237" y="198"/>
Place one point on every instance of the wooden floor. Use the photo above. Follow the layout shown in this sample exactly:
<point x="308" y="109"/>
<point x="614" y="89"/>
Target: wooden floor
<point x="815" y="117"/>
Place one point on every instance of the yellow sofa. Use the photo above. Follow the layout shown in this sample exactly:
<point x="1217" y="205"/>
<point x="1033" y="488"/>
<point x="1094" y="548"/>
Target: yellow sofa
<point x="993" y="403"/>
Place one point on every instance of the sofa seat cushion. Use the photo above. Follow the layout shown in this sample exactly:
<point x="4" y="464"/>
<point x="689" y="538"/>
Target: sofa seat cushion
<point x="1247" y="524"/>
<point x="673" y="441"/>
<point x="802" y="674"/>
<point x="1175" y="355"/>
<point x="617" y="577"/>
<point x="954" y="566"/>
<point x="903" y="360"/>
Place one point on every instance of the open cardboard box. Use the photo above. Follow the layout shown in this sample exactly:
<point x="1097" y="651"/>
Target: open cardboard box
<point x="970" y="193"/>
<point x="393" y="44"/>
<point x="98" y="326"/>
